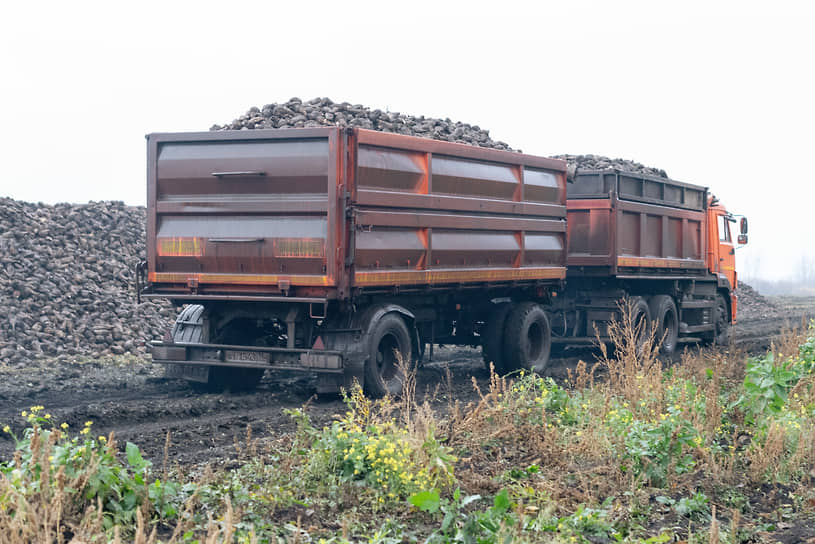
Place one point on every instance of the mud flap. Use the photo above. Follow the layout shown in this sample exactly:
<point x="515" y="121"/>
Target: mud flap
<point x="193" y="373"/>
<point x="353" y="374"/>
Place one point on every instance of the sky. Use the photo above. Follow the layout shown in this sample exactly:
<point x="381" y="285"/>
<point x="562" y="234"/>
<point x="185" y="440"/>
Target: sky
<point x="717" y="93"/>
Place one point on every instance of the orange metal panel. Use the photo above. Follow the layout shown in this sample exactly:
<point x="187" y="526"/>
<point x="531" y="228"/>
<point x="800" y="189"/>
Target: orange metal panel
<point x="239" y="279"/>
<point x="408" y="277"/>
<point x="645" y="262"/>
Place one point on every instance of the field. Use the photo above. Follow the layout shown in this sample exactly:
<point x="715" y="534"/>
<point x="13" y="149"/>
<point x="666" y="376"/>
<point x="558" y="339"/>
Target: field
<point x="707" y="447"/>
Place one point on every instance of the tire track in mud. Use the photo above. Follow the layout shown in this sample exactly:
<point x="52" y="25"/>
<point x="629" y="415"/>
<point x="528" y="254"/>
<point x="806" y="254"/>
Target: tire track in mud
<point x="141" y="406"/>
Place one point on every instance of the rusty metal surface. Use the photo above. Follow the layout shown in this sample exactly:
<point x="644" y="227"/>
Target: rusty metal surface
<point x="241" y="357"/>
<point x="638" y="188"/>
<point x="236" y="213"/>
<point x="626" y="238"/>
<point x="429" y="212"/>
<point x="318" y="212"/>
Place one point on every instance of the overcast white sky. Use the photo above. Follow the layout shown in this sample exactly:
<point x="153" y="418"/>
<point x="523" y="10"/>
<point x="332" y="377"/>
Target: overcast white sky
<point x="720" y="94"/>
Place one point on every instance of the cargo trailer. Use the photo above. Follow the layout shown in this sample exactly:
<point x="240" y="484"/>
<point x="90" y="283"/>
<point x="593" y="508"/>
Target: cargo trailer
<point x="347" y="253"/>
<point x="340" y="252"/>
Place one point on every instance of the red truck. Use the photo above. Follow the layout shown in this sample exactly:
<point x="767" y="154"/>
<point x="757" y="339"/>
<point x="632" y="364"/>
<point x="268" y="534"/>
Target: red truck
<point x="340" y="252"/>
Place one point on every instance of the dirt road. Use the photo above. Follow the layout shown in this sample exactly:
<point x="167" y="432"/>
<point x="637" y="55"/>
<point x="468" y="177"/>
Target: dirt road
<point x="133" y="399"/>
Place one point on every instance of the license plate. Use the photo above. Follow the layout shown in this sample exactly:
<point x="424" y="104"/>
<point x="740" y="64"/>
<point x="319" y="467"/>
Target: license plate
<point x="235" y="356"/>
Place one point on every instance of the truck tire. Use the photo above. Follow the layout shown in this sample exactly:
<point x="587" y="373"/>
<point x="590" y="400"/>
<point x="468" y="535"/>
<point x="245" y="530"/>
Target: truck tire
<point x="492" y="341"/>
<point x="189" y="325"/>
<point x="389" y="343"/>
<point x="641" y="319"/>
<point x="527" y="338"/>
<point x="665" y="320"/>
<point x="189" y="329"/>
<point x="720" y="335"/>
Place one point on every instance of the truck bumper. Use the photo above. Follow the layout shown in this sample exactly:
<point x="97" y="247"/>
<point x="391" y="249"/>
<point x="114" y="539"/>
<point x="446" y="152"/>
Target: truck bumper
<point x="206" y="355"/>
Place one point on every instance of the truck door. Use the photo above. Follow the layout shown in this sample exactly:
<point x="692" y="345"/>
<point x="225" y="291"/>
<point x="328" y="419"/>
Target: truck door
<point x="726" y="262"/>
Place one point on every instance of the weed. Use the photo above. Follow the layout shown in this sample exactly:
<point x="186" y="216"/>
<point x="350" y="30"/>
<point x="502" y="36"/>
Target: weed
<point x="634" y="371"/>
<point x="55" y="480"/>
<point x="531" y="460"/>
<point x="365" y="447"/>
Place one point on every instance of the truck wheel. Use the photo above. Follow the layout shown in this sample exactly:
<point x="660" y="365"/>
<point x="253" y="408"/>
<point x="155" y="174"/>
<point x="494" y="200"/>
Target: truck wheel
<point x="641" y="320"/>
<point x="389" y="349"/>
<point x="665" y="320"/>
<point x="527" y="338"/>
<point x="720" y="335"/>
<point x="492" y="341"/>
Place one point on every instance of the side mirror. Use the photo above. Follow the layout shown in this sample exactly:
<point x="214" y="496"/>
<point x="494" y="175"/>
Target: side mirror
<point x="742" y="239"/>
<point x="743" y="228"/>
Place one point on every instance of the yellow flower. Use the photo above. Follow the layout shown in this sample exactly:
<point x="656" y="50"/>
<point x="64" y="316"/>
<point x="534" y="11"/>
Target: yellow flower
<point x="24" y="413"/>
<point x="88" y="423"/>
<point x="47" y="416"/>
<point x="6" y="429"/>
<point x="86" y="430"/>
<point x="64" y="426"/>
<point x="102" y="439"/>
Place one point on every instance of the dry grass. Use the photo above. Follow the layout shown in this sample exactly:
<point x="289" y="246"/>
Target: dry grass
<point x="634" y="370"/>
<point x="577" y="463"/>
<point x="499" y="432"/>
<point x="577" y="452"/>
<point x="49" y="512"/>
<point x="45" y="506"/>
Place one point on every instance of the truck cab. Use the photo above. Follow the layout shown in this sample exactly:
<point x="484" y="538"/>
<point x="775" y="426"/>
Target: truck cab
<point x="722" y="245"/>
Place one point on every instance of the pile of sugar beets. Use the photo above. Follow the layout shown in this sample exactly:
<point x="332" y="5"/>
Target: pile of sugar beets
<point x="67" y="270"/>
<point x="66" y="281"/>
<point x="324" y="112"/>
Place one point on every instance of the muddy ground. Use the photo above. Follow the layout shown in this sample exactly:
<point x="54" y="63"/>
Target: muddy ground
<point x="132" y="398"/>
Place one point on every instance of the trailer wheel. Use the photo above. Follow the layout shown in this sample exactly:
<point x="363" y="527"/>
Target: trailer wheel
<point x="720" y="335"/>
<point x="187" y="329"/>
<point x="492" y="341"/>
<point x="665" y="320"/>
<point x="189" y="325"/>
<point x="389" y="352"/>
<point x="527" y="338"/>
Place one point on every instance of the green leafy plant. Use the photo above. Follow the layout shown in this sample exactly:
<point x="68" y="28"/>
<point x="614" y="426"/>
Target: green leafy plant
<point x="84" y="470"/>
<point x="767" y="383"/>
<point x="389" y="459"/>
<point x="652" y="448"/>
<point x="460" y="525"/>
<point x="537" y="400"/>
<point x="695" y="507"/>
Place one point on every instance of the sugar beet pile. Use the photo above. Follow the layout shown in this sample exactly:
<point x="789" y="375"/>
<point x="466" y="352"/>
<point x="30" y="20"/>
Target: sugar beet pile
<point x="66" y="271"/>
<point x="319" y="112"/>
<point x="66" y="281"/>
